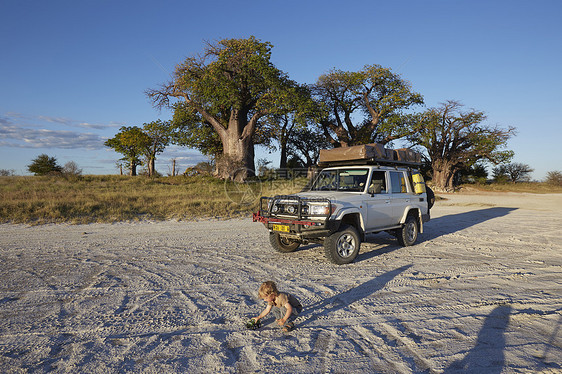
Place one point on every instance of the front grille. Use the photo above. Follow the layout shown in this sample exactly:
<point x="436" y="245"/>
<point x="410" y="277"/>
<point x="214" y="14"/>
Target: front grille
<point x="293" y="207"/>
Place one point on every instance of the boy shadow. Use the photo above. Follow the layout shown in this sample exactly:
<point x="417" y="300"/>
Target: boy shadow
<point x="324" y="307"/>
<point x="487" y="356"/>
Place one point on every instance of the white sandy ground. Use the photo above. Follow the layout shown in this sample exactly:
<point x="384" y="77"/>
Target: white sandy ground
<point x="481" y="292"/>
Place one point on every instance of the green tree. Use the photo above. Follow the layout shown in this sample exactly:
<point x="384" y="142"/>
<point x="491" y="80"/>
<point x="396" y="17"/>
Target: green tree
<point x="43" y="165"/>
<point x="295" y="112"/>
<point x="305" y="145"/>
<point x="229" y="89"/>
<point x="160" y="135"/>
<point x="473" y="174"/>
<point x="132" y="143"/>
<point x="364" y="106"/>
<point x="499" y="174"/>
<point x="514" y="172"/>
<point x="455" y="139"/>
<point x="191" y="130"/>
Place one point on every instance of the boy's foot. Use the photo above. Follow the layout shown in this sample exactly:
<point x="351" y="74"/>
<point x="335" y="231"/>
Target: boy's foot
<point x="289" y="327"/>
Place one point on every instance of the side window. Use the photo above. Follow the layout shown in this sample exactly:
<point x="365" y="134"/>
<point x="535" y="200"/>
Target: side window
<point x="398" y="182"/>
<point x="378" y="183"/>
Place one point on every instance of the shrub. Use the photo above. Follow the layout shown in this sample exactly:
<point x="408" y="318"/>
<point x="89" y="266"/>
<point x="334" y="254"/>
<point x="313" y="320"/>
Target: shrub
<point x="44" y="165"/>
<point x="554" y="178"/>
<point x="71" y="169"/>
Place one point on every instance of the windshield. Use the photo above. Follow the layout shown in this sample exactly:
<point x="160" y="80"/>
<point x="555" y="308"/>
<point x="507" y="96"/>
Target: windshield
<point x="350" y="180"/>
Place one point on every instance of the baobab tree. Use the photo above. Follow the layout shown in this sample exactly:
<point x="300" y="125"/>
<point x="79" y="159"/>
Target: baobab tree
<point x="226" y="90"/>
<point x="364" y="106"/>
<point x="457" y="139"/>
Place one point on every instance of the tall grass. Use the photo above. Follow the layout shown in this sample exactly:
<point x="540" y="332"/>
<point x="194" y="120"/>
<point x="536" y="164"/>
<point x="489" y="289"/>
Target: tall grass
<point x="111" y="198"/>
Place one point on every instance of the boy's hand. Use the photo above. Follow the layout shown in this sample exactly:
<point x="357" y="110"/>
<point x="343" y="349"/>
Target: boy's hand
<point x="281" y="322"/>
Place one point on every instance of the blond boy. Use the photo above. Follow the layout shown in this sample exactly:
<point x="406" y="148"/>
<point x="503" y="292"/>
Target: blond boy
<point x="285" y="306"/>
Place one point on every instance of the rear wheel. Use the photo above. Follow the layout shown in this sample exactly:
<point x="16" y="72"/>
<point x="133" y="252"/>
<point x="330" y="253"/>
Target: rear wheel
<point x="408" y="233"/>
<point x="282" y="244"/>
<point x="342" y="247"/>
<point x="430" y="197"/>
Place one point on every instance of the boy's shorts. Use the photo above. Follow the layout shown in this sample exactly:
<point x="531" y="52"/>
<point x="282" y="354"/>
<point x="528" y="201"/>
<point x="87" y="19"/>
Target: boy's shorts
<point x="280" y="313"/>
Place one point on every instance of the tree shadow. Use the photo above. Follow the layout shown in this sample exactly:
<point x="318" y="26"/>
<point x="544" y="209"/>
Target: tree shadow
<point x="344" y="299"/>
<point x="487" y="356"/>
<point x="452" y="223"/>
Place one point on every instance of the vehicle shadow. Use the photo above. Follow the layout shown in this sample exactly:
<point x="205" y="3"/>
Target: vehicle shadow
<point x="452" y="223"/>
<point x="437" y="227"/>
<point x="327" y="306"/>
<point x="383" y="243"/>
<point x="308" y="246"/>
<point x="433" y="229"/>
<point x="487" y="356"/>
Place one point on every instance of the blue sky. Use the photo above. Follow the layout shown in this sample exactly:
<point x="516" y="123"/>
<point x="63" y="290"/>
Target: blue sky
<point x="73" y="72"/>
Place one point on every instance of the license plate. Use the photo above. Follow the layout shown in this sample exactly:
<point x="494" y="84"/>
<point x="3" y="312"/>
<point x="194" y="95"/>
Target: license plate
<point x="283" y="228"/>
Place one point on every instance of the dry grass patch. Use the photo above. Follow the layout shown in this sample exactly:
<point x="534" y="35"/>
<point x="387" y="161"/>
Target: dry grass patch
<point x="111" y="198"/>
<point x="531" y="187"/>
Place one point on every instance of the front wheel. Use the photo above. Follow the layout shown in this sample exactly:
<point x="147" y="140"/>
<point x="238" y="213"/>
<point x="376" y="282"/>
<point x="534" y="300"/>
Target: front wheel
<point x="282" y="244"/>
<point x="408" y="233"/>
<point x="342" y="246"/>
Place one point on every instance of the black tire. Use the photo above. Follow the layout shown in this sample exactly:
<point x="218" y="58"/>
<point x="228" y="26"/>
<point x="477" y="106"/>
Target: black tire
<point x="342" y="246"/>
<point x="430" y="197"/>
<point x="282" y="244"/>
<point x="408" y="233"/>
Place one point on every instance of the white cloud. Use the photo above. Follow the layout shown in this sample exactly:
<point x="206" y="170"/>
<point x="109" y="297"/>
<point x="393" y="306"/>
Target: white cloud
<point x="73" y="123"/>
<point x="19" y="137"/>
<point x="79" y="141"/>
<point x="42" y="120"/>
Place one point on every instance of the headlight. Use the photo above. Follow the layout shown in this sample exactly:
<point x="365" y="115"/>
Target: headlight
<point x="270" y="202"/>
<point x="320" y="210"/>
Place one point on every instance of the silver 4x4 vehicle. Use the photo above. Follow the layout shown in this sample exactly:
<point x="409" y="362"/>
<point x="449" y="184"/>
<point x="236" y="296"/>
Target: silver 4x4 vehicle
<point x="344" y="204"/>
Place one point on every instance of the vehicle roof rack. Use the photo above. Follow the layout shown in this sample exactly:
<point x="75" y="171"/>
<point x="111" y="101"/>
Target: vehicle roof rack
<point x="370" y="162"/>
<point x="369" y="154"/>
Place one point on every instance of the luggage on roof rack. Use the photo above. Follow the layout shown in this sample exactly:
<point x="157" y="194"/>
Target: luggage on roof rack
<point x="368" y="154"/>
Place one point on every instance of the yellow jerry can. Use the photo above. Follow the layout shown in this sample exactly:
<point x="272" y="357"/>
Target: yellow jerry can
<point x="419" y="184"/>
